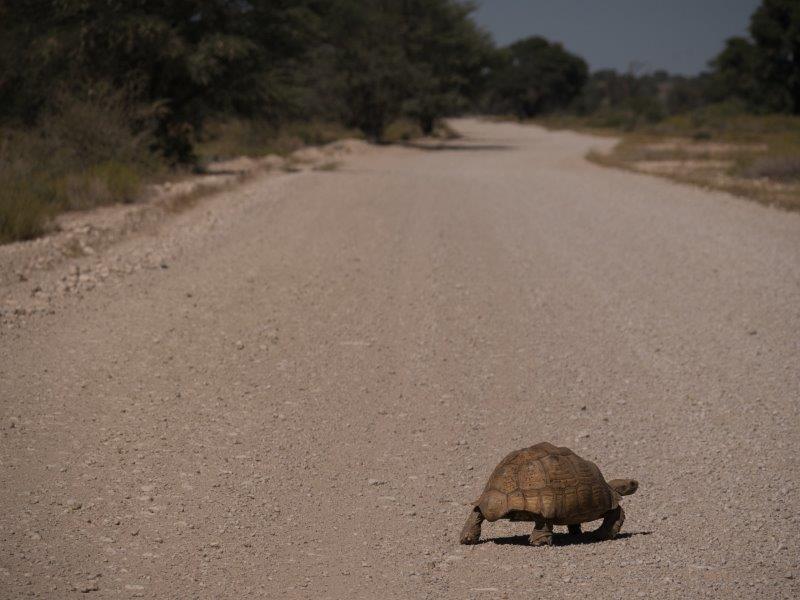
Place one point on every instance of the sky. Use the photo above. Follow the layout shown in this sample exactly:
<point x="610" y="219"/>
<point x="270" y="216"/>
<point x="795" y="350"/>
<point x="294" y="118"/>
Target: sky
<point x="680" y="36"/>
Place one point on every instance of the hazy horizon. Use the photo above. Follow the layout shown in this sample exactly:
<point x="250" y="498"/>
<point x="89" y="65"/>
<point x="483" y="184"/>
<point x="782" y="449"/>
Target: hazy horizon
<point x="680" y="36"/>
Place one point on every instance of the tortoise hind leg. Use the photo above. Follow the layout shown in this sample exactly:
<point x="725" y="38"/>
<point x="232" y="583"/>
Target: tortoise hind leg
<point x="471" y="533"/>
<point x="542" y="534"/>
<point x="574" y="529"/>
<point x="612" y="523"/>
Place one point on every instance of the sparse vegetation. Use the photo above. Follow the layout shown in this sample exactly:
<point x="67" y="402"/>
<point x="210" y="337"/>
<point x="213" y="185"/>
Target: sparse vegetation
<point x="757" y="156"/>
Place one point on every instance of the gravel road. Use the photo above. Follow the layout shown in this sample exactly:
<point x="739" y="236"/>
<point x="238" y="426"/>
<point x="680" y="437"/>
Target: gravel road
<point x="303" y="401"/>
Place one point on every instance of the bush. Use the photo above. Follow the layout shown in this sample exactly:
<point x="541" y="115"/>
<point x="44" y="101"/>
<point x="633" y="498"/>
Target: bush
<point x="402" y="130"/>
<point x="81" y="155"/>
<point x="535" y="77"/>
<point x="230" y="138"/>
<point x="25" y="209"/>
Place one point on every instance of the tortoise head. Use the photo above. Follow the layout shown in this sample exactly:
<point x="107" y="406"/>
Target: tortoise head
<point x="624" y="487"/>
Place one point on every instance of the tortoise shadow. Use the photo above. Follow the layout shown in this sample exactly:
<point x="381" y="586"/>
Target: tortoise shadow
<point x="561" y="539"/>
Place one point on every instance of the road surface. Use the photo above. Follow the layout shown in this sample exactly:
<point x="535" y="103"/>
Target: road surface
<point x="306" y="401"/>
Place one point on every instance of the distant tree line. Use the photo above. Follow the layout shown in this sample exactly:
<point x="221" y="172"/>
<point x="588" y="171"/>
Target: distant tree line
<point x="171" y="66"/>
<point x="759" y="73"/>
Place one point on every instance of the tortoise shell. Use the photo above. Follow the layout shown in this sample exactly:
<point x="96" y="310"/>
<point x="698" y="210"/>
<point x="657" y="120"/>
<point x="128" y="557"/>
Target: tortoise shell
<point x="545" y="482"/>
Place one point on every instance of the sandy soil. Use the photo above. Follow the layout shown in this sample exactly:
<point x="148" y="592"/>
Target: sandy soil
<point x="303" y="395"/>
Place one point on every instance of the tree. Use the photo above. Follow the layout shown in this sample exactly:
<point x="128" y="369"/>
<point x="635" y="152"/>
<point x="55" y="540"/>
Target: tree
<point x="775" y="28"/>
<point x="734" y="71"/>
<point x="388" y="58"/>
<point x="371" y="71"/>
<point x="764" y="70"/>
<point x="537" y="76"/>
<point x="688" y="93"/>
<point x="449" y="57"/>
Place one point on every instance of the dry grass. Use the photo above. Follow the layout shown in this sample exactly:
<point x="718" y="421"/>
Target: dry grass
<point x="753" y="156"/>
<point x="777" y="168"/>
<point x="86" y="156"/>
<point x="709" y="173"/>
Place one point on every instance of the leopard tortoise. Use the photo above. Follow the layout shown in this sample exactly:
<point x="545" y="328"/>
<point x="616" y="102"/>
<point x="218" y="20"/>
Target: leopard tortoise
<point x="549" y="486"/>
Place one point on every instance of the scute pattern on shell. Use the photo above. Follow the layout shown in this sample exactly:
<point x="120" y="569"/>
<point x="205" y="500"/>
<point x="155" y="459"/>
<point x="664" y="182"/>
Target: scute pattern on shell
<point x="547" y="482"/>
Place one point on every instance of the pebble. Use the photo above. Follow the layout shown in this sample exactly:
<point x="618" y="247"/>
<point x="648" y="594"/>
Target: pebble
<point x="240" y="345"/>
<point x="375" y="482"/>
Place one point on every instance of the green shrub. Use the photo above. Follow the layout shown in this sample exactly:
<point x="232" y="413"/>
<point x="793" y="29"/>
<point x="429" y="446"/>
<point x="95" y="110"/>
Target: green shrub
<point x="25" y="209"/>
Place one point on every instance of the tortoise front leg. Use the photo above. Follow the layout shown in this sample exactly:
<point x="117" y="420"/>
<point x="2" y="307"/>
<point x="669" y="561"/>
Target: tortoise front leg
<point x="574" y="529"/>
<point x="542" y="534"/>
<point x="612" y="523"/>
<point x="471" y="533"/>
